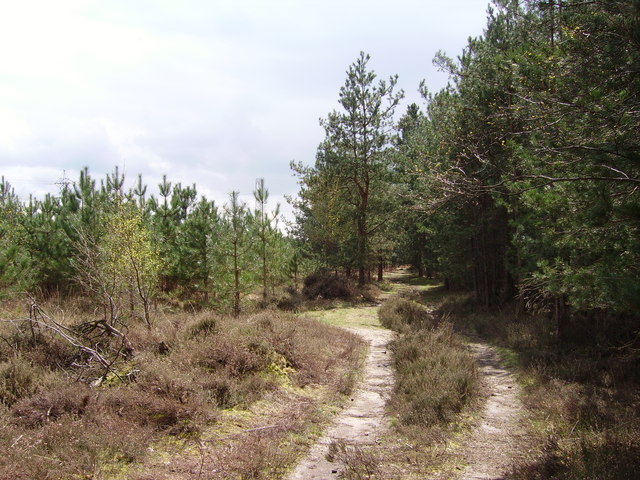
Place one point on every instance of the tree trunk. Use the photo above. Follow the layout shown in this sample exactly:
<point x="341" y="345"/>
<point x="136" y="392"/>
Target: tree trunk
<point x="362" y="267"/>
<point x="236" y="282"/>
<point x="561" y="318"/>
<point x="264" y="268"/>
<point x="420" y="265"/>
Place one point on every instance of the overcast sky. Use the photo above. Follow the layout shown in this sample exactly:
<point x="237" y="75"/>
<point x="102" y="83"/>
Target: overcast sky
<point x="210" y="92"/>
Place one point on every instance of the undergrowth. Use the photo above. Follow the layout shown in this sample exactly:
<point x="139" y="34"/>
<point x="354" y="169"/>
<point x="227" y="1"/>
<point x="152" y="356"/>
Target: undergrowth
<point x="176" y="381"/>
<point x="403" y="315"/>
<point x="436" y="377"/>
<point x="324" y="290"/>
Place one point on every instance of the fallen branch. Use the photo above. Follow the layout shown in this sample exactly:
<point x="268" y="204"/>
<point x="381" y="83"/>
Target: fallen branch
<point x="38" y="317"/>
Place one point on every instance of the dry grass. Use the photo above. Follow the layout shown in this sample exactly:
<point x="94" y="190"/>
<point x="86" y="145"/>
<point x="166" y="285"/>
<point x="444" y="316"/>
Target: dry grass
<point x="358" y="463"/>
<point x="169" y="392"/>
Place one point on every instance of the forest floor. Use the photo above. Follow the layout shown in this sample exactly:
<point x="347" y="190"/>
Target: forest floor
<point x="360" y="440"/>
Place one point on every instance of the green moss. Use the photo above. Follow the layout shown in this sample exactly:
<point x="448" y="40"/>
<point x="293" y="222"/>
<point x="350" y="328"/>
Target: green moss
<point x="113" y="465"/>
<point x="510" y="358"/>
<point x="119" y="376"/>
<point x="280" y="369"/>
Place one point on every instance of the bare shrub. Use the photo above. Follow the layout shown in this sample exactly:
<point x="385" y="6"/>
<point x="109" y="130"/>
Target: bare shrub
<point x="257" y="456"/>
<point x="359" y="463"/>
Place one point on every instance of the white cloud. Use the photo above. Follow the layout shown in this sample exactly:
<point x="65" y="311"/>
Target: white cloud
<point x="216" y="93"/>
<point x="12" y="129"/>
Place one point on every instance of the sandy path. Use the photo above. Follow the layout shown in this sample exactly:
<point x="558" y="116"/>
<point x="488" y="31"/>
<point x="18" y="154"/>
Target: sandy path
<point x="498" y="439"/>
<point x="362" y="422"/>
<point x="485" y="453"/>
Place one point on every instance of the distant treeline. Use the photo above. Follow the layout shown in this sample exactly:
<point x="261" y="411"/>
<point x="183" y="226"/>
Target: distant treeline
<point x="126" y="248"/>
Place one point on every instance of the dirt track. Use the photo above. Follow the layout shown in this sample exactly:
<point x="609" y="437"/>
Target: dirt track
<point x="485" y="453"/>
<point x="363" y="420"/>
<point x="499" y="437"/>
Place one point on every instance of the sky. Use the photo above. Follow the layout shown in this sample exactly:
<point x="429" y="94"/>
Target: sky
<point x="212" y="92"/>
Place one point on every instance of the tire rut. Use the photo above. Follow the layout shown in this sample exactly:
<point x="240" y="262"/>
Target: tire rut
<point x="498" y="439"/>
<point x="362" y="421"/>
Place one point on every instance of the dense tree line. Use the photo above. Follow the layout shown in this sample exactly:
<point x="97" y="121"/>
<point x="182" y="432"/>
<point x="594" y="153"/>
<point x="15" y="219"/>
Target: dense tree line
<point x="518" y="181"/>
<point x="126" y="249"/>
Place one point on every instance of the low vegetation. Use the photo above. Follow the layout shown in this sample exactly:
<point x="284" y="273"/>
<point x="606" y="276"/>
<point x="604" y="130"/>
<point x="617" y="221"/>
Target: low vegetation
<point x="436" y="388"/>
<point x="175" y="385"/>
<point x="324" y="285"/>
<point x="436" y="376"/>
<point x="583" y="394"/>
<point x="404" y="315"/>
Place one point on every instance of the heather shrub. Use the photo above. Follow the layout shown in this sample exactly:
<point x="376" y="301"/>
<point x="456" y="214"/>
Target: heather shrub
<point x="220" y="390"/>
<point x="159" y="413"/>
<point x="164" y="378"/>
<point x="51" y="404"/>
<point x="52" y="352"/>
<point x="436" y="376"/>
<point x="204" y="326"/>
<point x="95" y="447"/>
<point x="175" y="378"/>
<point x="327" y="286"/>
<point x="225" y="353"/>
<point x="18" y="379"/>
<point x="291" y="301"/>
<point x="401" y="315"/>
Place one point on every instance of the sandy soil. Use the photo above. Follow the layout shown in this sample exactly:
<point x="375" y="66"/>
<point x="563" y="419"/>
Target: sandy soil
<point x="499" y="437"/>
<point x="363" y="421"/>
